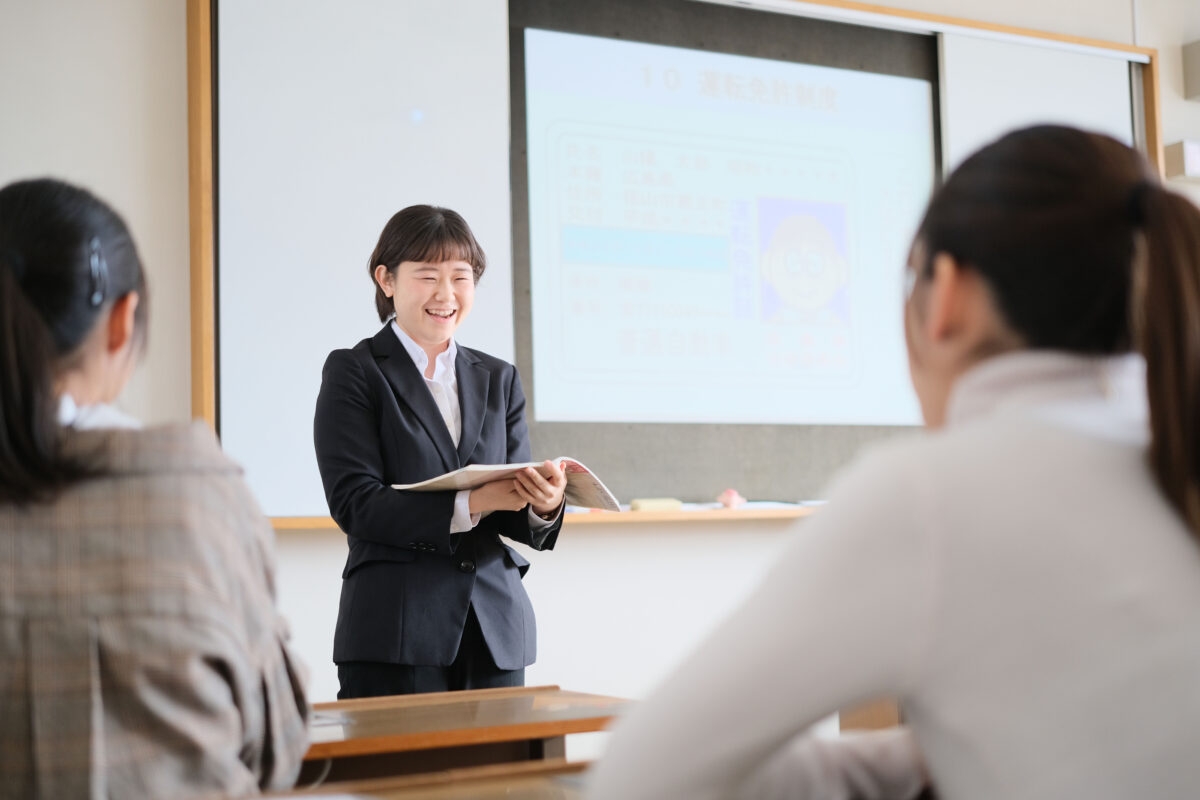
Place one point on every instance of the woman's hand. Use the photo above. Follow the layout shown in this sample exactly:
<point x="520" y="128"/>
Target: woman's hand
<point x="544" y="493"/>
<point x="496" y="496"/>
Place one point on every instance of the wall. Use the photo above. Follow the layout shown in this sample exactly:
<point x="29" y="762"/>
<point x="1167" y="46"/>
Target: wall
<point x="1096" y="19"/>
<point x="616" y="604"/>
<point x="96" y="93"/>
<point x="1168" y="25"/>
<point x="1162" y="24"/>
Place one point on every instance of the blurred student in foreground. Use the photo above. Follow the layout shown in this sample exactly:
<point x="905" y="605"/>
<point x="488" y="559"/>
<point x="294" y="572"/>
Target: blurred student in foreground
<point x="141" y="654"/>
<point x="1025" y="578"/>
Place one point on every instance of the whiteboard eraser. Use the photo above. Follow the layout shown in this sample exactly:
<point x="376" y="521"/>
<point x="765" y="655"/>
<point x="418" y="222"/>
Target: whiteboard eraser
<point x="655" y="504"/>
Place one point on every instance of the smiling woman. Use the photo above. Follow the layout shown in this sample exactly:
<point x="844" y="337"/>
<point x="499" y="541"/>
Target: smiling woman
<point x="430" y="300"/>
<point x="431" y="598"/>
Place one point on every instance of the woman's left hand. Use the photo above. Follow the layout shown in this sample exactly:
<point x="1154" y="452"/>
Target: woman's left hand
<point x="544" y="493"/>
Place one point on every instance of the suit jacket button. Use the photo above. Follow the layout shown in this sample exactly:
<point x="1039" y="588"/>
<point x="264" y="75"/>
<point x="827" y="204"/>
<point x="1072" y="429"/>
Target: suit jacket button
<point x="466" y="566"/>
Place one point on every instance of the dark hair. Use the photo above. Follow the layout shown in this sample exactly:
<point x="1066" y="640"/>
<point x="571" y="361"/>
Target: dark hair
<point x="65" y="257"/>
<point x="1085" y="251"/>
<point x="425" y="234"/>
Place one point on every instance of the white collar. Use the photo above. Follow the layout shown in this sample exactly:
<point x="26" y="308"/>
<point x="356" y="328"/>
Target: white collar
<point x="1044" y="377"/>
<point x="445" y="360"/>
<point x="100" y="415"/>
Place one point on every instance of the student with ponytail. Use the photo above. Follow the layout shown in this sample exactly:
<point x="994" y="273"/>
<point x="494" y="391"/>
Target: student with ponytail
<point x="141" y="654"/>
<point x="1024" y="577"/>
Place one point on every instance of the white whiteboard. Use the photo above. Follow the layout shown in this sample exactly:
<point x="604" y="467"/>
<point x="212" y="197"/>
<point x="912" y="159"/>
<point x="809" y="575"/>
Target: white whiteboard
<point x="332" y="117"/>
<point x="991" y="86"/>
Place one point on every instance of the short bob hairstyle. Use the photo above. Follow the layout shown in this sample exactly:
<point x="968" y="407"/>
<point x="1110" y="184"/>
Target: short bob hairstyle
<point x="426" y="234"/>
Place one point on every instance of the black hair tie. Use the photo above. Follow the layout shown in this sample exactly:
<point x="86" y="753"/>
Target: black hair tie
<point x="98" y="269"/>
<point x="1136" y="204"/>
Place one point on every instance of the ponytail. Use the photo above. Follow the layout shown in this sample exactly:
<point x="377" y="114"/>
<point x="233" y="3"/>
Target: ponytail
<point x="1166" y="323"/>
<point x="32" y="466"/>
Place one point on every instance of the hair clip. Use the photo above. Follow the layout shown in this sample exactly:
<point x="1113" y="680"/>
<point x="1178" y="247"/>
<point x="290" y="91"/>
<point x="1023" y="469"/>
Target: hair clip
<point x="99" y="272"/>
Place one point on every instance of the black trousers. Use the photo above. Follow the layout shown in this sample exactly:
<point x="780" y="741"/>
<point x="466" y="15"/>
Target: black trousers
<point x="473" y="668"/>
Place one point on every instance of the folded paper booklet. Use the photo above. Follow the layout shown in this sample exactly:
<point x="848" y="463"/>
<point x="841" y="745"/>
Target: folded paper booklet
<point x="583" y="488"/>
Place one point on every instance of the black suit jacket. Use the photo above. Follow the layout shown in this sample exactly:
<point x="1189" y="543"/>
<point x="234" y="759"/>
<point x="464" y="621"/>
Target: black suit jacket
<point x="408" y="581"/>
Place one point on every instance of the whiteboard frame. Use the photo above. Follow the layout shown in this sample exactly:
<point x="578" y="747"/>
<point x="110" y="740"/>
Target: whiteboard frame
<point x="1147" y="118"/>
<point x="201" y="45"/>
<point x="918" y="22"/>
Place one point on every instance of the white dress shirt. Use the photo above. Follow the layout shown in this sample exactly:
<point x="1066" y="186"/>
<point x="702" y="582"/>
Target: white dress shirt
<point x="1017" y="580"/>
<point x="444" y="388"/>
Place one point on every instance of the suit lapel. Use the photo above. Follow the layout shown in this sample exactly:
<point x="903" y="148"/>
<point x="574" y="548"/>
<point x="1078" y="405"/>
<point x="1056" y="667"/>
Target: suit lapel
<point x="472" y="400"/>
<point x="409" y="385"/>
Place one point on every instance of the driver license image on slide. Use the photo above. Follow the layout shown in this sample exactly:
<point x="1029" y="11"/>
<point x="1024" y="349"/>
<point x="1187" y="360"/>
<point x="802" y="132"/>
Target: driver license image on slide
<point x="719" y="238"/>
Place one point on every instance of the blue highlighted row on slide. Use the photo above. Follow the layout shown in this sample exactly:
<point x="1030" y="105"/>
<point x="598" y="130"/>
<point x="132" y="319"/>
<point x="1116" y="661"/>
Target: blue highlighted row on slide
<point x="625" y="247"/>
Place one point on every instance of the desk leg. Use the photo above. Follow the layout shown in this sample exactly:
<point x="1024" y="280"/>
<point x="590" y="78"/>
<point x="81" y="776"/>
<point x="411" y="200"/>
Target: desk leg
<point x="549" y="748"/>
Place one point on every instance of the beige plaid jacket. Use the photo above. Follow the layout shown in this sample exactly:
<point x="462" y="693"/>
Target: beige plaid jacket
<point x="141" y="653"/>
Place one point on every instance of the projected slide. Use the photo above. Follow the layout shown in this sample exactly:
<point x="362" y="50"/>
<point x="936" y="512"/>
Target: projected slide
<point x="718" y="238"/>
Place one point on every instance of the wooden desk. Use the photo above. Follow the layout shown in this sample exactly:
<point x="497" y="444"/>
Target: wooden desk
<point x="525" y="781"/>
<point x="404" y="734"/>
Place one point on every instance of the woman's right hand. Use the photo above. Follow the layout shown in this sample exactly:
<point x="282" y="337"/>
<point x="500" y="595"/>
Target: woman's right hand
<point x="496" y="496"/>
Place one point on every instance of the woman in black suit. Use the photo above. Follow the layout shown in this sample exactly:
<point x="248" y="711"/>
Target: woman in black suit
<point x="431" y="598"/>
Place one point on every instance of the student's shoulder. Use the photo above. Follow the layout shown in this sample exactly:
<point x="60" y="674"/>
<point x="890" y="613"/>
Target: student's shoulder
<point x="906" y="462"/>
<point x="190" y="447"/>
<point x="931" y="462"/>
<point x="188" y="486"/>
<point x="880" y="466"/>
